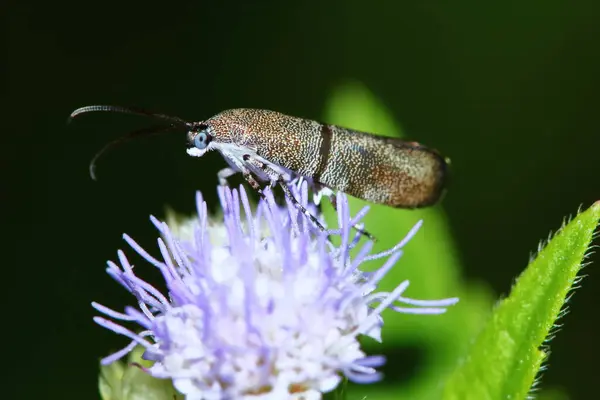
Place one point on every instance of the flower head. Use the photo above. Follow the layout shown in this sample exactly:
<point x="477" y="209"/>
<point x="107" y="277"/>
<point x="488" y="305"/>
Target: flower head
<point x="259" y="305"/>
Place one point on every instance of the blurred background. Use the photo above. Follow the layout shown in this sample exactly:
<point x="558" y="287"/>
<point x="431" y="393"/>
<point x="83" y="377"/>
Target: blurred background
<point x="508" y="90"/>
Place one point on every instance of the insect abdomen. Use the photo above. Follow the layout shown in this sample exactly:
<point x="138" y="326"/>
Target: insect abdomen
<point x="383" y="170"/>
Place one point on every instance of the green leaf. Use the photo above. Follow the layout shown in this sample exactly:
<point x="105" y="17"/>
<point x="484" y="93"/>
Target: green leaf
<point x="430" y="262"/>
<point x="506" y="356"/>
<point x="127" y="381"/>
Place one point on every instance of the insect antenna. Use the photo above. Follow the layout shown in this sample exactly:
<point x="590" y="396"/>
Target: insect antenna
<point x="174" y="122"/>
<point x="153" y="130"/>
<point x="128" y="110"/>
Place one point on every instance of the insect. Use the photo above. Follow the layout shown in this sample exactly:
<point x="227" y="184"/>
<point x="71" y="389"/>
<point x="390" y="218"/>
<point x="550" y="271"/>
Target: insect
<point x="274" y="148"/>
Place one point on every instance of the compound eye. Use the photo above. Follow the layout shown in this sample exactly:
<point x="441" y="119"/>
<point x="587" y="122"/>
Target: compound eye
<point x="201" y="140"/>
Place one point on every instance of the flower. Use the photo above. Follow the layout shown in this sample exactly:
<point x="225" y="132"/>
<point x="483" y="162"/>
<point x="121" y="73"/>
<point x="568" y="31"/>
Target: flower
<point x="261" y="305"/>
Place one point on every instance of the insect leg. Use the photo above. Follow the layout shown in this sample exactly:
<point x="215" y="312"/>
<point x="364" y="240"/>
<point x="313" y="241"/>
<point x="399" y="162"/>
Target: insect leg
<point x="322" y="191"/>
<point x="317" y="188"/>
<point x="288" y="193"/>
<point x="278" y="178"/>
<point x="253" y="182"/>
<point x="224" y="174"/>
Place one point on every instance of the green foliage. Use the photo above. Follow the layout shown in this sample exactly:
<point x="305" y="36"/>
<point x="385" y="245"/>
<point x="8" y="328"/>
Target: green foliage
<point x="506" y="356"/>
<point x="430" y="262"/>
<point x="127" y="381"/>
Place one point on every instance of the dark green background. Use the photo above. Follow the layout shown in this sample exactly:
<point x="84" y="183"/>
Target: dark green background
<point x="509" y="90"/>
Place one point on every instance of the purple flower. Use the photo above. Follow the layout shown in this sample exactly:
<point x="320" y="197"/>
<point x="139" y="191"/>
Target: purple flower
<point x="259" y="305"/>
